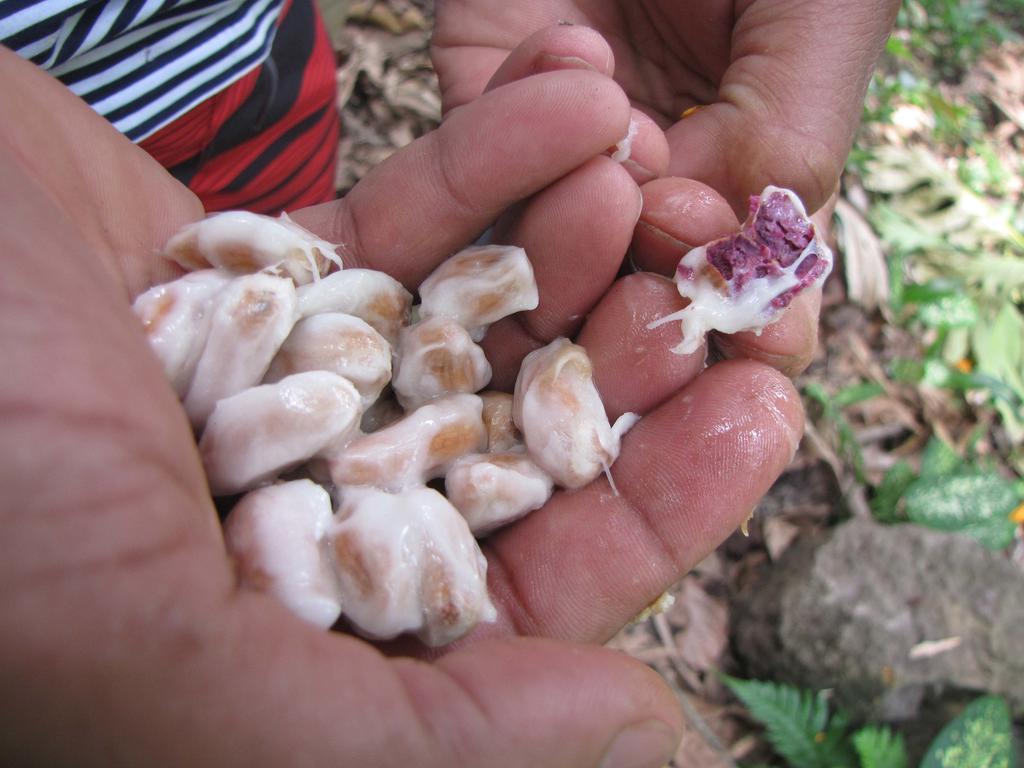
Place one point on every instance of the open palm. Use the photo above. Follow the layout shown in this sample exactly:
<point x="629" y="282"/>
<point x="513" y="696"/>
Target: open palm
<point x="124" y="630"/>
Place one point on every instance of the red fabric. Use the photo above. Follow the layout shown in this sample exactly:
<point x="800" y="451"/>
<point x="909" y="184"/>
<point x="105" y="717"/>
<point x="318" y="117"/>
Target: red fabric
<point x="185" y="137"/>
<point x="309" y="162"/>
<point x="301" y="170"/>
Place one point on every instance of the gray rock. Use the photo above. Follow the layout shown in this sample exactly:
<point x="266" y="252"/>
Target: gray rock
<point x="843" y="611"/>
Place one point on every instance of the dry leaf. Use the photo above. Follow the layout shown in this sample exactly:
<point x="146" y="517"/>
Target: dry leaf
<point x="929" y="648"/>
<point x="387" y="18"/>
<point x="778" y="535"/>
<point x="704" y="623"/>
<point x="867" y="275"/>
<point x="694" y="750"/>
<point x="1001" y="76"/>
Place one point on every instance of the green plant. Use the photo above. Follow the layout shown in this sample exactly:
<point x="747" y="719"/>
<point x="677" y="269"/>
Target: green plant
<point x="831" y="413"/>
<point x="951" y="494"/>
<point x="956" y="277"/>
<point x="878" y="746"/>
<point x="798" y="724"/>
<point x="981" y="737"/>
<point x="952" y="34"/>
<point x="803" y="732"/>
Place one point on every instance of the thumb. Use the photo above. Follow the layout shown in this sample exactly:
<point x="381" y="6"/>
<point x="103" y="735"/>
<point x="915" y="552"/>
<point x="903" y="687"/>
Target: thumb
<point x="501" y="703"/>
<point x="532" y="702"/>
<point x="790" y="101"/>
<point x="267" y="690"/>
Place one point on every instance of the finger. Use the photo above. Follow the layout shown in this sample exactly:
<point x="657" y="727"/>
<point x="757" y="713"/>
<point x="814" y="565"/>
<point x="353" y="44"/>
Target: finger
<point x="678" y="215"/>
<point x="561" y="696"/>
<point x="338" y="701"/>
<point x="442" y="191"/>
<point x="567" y="46"/>
<point x="263" y="690"/>
<point x="552" y="49"/>
<point x="575" y="233"/>
<point x="787" y="345"/>
<point x="690" y="472"/>
<point x="789" y="103"/>
<point x="634" y="367"/>
<point x="648" y="155"/>
<point x="571" y="47"/>
<point x="466" y="57"/>
<point x="506" y="344"/>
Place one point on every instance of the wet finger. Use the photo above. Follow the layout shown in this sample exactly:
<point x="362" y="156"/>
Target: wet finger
<point x="648" y="154"/>
<point x="634" y="366"/>
<point x="690" y="472"/>
<point x="678" y="215"/>
<point x="787" y="345"/>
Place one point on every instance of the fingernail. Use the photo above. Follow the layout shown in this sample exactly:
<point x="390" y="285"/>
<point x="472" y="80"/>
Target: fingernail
<point x="655" y="231"/>
<point x="645" y="745"/>
<point x="551" y="63"/>
<point x="752" y="347"/>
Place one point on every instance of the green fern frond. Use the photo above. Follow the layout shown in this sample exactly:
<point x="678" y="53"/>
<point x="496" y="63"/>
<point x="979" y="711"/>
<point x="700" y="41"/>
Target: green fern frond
<point x="879" y="747"/>
<point x="796" y="723"/>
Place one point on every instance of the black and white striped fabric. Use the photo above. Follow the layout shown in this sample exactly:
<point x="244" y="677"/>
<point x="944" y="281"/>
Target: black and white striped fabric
<point x="141" y="63"/>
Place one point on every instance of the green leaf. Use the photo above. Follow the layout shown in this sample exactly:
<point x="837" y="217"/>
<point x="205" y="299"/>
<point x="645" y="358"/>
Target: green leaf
<point x="831" y="412"/>
<point x="797" y="723"/>
<point x="980" y="737"/>
<point x="897" y="279"/>
<point x="957" y="346"/>
<point x="817" y="392"/>
<point x="949" y="311"/>
<point x="933" y="290"/>
<point x="998" y="345"/>
<point x="857" y="393"/>
<point x="975" y="503"/>
<point x="896" y="47"/>
<point x="879" y="747"/>
<point x="937" y="374"/>
<point x="885" y="502"/>
<point x="939" y="459"/>
<point x="906" y="370"/>
<point x="902" y="234"/>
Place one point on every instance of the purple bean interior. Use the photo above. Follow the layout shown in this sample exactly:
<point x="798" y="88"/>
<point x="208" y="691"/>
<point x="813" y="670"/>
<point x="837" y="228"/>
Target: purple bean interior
<point x="772" y="239"/>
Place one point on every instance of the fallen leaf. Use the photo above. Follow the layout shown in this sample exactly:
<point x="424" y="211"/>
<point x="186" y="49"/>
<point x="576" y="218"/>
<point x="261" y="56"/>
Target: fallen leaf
<point x="928" y="648"/>
<point x="865" y="269"/>
<point x="778" y="535"/>
<point x="704" y="626"/>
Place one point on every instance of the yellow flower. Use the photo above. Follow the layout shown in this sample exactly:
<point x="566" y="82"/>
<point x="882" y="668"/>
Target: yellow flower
<point x="1017" y="516"/>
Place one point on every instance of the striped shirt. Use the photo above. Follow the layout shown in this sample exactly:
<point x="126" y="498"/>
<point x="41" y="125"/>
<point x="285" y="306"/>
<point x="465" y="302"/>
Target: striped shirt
<point x="141" y="63"/>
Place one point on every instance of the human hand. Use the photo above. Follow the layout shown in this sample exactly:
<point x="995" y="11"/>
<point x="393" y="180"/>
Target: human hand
<point x="780" y="83"/>
<point x="123" y="630"/>
<point x="664" y="77"/>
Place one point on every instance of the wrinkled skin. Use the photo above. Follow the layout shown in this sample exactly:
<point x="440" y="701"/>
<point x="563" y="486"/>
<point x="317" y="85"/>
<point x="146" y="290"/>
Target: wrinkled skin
<point x="124" y="635"/>
<point x="781" y="82"/>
